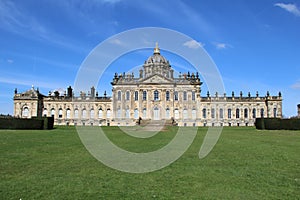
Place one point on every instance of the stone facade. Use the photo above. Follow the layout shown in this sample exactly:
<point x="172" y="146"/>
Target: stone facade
<point x="154" y="95"/>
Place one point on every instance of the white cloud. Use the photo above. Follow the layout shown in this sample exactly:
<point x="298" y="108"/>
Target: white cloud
<point x="292" y="8"/>
<point x="193" y="44"/>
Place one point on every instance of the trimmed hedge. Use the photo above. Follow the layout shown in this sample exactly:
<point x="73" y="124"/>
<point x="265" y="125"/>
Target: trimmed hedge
<point x="33" y="123"/>
<point x="277" y="124"/>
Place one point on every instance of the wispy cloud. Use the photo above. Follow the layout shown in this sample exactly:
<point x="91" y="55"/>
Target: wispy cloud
<point x="292" y="8"/>
<point x="18" y="20"/>
<point x="220" y="45"/>
<point x="116" y="41"/>
<point x="10" y="61"/>
<point x="296" y="85"/>
<point x="193" y="44"/>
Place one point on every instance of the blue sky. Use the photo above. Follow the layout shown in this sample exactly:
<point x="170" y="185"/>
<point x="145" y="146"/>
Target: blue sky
<point x="255" y="44"/>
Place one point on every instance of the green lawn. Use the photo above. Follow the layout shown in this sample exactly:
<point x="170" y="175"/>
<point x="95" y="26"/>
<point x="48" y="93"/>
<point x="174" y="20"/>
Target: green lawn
<point x="245" y="164"/>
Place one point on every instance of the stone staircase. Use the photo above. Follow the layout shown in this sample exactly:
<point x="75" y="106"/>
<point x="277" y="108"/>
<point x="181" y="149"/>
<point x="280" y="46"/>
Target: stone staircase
<point x="154" y="125"/>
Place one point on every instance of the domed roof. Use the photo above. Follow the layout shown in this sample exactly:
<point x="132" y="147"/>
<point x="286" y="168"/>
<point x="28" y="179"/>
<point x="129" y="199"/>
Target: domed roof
<point x="156" y="57"/>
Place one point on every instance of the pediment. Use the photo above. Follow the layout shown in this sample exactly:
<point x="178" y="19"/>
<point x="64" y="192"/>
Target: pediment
<point x="156" y="78"/>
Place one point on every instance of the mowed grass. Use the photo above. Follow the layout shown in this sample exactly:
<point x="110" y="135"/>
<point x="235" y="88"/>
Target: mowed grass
<point x="245" y="164"/>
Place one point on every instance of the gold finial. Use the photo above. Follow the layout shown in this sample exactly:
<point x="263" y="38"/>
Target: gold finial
<point x="156" y="49"/>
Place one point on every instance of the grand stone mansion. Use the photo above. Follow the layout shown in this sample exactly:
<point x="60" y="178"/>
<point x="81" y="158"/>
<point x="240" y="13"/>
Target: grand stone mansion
<point x="154" y="95"/>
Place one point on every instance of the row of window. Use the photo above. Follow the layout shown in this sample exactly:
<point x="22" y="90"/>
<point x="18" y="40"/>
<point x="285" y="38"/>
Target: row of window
<point x="237" y="113"/>
<point x="76" y="113"/>
<point x="157" y="112"/>
<point x="156" y="96"/>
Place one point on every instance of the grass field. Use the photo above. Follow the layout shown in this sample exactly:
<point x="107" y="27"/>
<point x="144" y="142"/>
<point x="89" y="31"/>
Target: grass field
<point x="245" y="164"/>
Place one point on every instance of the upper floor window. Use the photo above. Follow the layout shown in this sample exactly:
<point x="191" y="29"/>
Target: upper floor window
<point x="212" y="113"/>
<point x="176" y="96"/>
<point x="156" y="95"/>
<point x="254" y="113"/>
<point x="221" y="113"/>
<point x="144" y="95"/>
<point x="193" y="96"/>
<point x="119" y="95"/>
<point x="184" y="95"/>
<point x="262" y="112"/>
<point x="204" y="113"/>
<point x="127" y="96"/>
<point x="229" y="113"/>
<point x="167" y="96"/>
<point x="136" y="95"/>
<point x="237" y="114"/>
<point x="246" y="113"/>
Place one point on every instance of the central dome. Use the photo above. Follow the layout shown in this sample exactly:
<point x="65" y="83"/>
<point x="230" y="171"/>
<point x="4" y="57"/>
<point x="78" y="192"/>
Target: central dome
<point x="156" y="57"/>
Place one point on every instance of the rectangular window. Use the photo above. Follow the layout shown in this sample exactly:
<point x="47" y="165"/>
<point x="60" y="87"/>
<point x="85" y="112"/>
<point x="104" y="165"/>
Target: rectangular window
<point x="229" y="113"/>
<point x="204" y="113"/>
<point x="127" y="95"/>
<point x="221" y="113"/>
<point x="176" y="96"/>
<point x="193" y="96"/>
<point x="213" y="113"/>
<point x="184" y="96"/>
<point x="144" y="95"/>
<point x="167" y="96"/>
<point x="136" y="95"/>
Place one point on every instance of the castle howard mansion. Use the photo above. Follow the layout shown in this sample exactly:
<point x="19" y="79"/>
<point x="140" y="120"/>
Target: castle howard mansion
<point x="154" y="95"/>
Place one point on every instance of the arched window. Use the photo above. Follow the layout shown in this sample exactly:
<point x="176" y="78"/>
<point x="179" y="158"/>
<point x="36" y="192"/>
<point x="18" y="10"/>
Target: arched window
<point x="100" y="113"/>
<point x="167" y="113"/>
<point x="237" y="113"/>
<point x="185" y="114"/>
<point x="25" y="112"/>
<point x="176" y="113"/>
<point x="254" y="113"/>
<point x="136" y="113"/>
<point x="204" y="113"/>
<point x="193" y="96"/>
<point x="229" y="113"/>
<point x="60" y="113"/>
<point x="176" y="96"/>
<point x="212" y="113"/>
<point x="245" y="113"/>
<point x="45" y="112"/>
<point x="221" y="113"/>
<point x="136" y="95"/>
<point x="275" y="112"/>
<point x="52" y="112"/>
<point x="144" y="95"/>
<point x="262" y="112"/>
<point x="76" y="113"/>
<point x="167" y="96"/>
<point x="92" y="114"/>
<point x="83" y="114"/>
<point x="156" y="95"/>
<point x="127" y="96"/>
<point x="194" y="114"/>
<point x="144" y="113"/>
<point x="108" y="113"/>
<point x="184" y="95"/>
<point x="68" y="113"/>
<point x="119" y="95"/>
